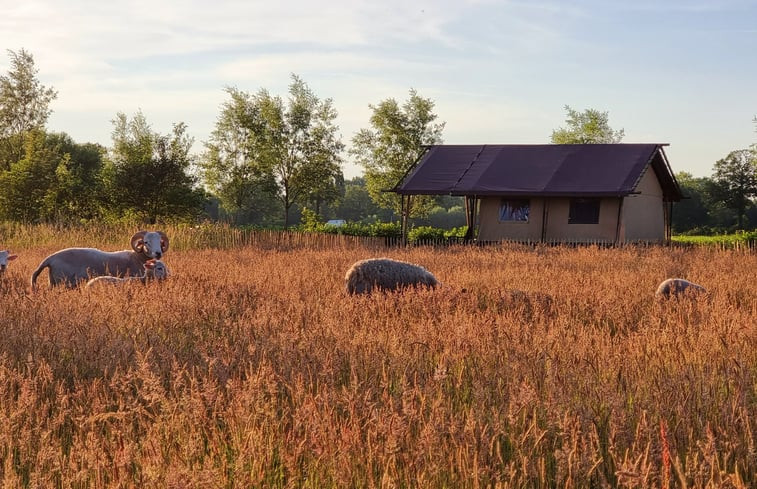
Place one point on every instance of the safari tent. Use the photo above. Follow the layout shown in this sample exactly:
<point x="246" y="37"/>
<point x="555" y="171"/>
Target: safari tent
<point x="573" y="193"/>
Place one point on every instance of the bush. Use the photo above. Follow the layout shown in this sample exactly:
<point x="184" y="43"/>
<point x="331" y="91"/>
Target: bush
<point x="422" y="234"/>
<point x="310" y="221"/>
<point x="386" y="229"/>
<point x="378" y="229"/>
<point x="349" y="228"/>
<point x="456" y="233"/>
<point x="390" y="230"/>
<point x="724" y="240"/>
<point x="425" y="233"/>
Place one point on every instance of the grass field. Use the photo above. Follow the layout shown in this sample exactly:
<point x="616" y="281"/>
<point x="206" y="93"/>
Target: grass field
<point x="250" y="367"/>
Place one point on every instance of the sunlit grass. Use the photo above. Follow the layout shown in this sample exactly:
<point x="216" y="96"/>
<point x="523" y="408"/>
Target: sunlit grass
<point x="251" y="367"/>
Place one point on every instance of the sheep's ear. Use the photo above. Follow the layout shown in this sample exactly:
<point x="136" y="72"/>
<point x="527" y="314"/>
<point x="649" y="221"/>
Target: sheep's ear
<point x="163" y="241"/>
<point x="12" y="257"/>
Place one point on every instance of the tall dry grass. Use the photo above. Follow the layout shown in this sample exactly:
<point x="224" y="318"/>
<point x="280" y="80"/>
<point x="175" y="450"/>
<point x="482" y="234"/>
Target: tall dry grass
<point x="251" y="367"/>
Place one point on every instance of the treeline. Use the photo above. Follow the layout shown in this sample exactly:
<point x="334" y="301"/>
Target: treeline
<point x="48" y="177"/>
<point x="269" y="160"/>
<point x="712" y="205"/>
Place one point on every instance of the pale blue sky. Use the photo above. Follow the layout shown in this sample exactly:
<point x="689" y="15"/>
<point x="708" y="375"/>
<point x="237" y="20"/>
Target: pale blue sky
<point x="682" y="72"/>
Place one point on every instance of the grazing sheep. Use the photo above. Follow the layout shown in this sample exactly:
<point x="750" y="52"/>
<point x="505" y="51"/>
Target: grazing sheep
<point x="5" y="257"/>
<point x="154" y="270"/>
<point x="674" y="287"/>
<point x="71" y="266"/>
<point x="386" y="274"/>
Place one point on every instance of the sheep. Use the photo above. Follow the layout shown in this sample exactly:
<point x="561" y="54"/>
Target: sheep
<point x="71" y="266"/>
<point x="154" y="270"/>
<point x="386" y="274"/>
<point x="673" y="287"/>
<point x="5" y="257"/>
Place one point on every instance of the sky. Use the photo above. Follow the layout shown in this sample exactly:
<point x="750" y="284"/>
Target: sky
<point x="681" y="72"/>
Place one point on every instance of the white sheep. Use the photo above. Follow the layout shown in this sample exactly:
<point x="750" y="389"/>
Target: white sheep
<point x="386" y="274"/>
<point x="5" y="257"/>
<point x="673" y="287"/>
<point x="71" y="266"/>
<point x="154" y="270"/>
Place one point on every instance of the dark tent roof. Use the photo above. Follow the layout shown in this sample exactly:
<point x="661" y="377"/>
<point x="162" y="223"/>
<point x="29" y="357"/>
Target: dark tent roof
<point x="538" y="169"/>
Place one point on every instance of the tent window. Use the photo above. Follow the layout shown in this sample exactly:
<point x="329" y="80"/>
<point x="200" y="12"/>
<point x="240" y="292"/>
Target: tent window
<point x="514" y="210"/>
<point x="584" y="211"/>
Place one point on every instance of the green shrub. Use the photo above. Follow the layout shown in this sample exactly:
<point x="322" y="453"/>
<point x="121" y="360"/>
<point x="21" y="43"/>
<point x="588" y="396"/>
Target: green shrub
<point x="386" y="229"/>
<point x="390" y="230"/>
<point x="456" y="233"/>
<point x="310" y="221"/>
<point x="349" y="229"/>
<point x="425" y="233"/>
<point x="724" y="240"/>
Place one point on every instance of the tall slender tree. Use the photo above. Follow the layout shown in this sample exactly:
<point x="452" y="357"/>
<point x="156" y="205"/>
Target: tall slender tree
<point x="392" y="146"/>
<point x="24" y="105"/>
<point x="231" y="169"/>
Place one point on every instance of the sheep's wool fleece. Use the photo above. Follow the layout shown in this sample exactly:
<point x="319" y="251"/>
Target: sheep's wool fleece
<point x="675" y="286"/>
<point x="386" y="274"/>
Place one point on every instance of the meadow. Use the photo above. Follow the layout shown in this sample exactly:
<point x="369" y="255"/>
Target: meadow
<point x="251" y="367"/>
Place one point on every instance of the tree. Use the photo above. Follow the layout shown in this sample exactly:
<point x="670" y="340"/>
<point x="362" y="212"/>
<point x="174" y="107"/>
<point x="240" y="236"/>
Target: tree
<point x="24" y="105"/>
<point x="246" y="194"/>
<point x="736" y="181"/>
<point x="55" y="179"/>
<point x="588" y="127"/>
<point x="393" y="145"/>
<point x="327" y="189"/>
<point x="26" y="184"/>
<point x="147" y="174"/>
<point x="260" y="142"/>
<point x="78" y="191"/>
<point x="356" y="204"/>
<point x="230" y="168"/>
<point x="693" y="212"/>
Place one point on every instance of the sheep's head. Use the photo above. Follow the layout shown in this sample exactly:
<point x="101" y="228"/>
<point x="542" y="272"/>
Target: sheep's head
<point x="152" y="243"/>
<point x="156" y="269"/>
<point x="5" y="257"/>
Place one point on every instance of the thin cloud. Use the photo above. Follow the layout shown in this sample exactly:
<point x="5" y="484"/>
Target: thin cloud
<point x="680" y="6"/>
